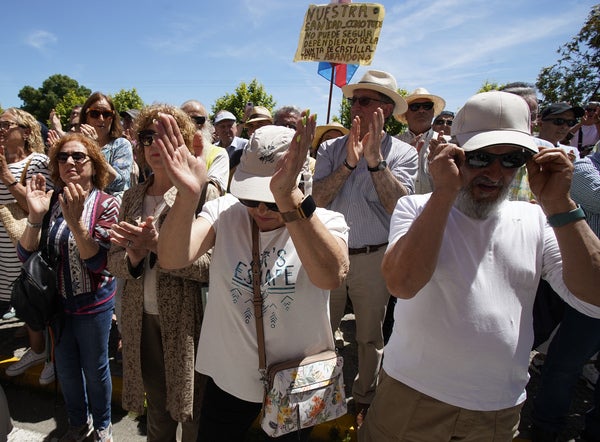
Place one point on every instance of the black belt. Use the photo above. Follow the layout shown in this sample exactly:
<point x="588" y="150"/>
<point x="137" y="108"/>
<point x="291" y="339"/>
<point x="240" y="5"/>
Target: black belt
<point x="367" y="249"/>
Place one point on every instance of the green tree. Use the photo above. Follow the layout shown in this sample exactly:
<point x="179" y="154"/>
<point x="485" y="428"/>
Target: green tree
<point x="488" y="86"/>
<point x="39" y="102"/>
<point x="244" y="93"/>
<point x="575" y="77"/>
<point x="125" y="100"/>
<point x="64" y="107"/>
<point x="392" y="126"/>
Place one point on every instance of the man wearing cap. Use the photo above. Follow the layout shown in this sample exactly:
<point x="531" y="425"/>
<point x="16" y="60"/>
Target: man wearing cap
<point x="362" y="175"/>
<point x="225" y="129"/>
<point x="586" y="133"/>
<point x="443" y="122"/>
<point x="465" y="263"/>
<point x="215" y="157"/>
<point x="258" y="116"/>
<point x="422" y="106"/>
<point x="303" y="254"/>
<point x="556" y="120"/>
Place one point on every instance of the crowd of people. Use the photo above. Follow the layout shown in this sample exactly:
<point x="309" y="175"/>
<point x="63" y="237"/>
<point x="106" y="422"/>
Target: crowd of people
<point x="450" y="241"/>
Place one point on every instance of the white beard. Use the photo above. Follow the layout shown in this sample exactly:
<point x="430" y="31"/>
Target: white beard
<point x="478" y="209"/>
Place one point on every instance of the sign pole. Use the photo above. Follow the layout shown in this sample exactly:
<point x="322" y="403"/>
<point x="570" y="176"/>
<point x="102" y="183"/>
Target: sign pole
<point x="330" y="91"/>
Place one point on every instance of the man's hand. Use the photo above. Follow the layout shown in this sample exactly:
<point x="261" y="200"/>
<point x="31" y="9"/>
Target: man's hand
<point x="371" y="141"/>
<point x="444" y="163"/>
<point x="354" y="147"/>
<point x="550" y="172"/>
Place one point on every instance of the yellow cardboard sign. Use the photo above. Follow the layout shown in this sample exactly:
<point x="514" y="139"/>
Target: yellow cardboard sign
<point x="340" y="33"/>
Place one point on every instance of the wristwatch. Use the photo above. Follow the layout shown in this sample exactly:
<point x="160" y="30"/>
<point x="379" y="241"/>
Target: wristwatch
<point x="382" y="165"/>
<point x="303" y="211"/>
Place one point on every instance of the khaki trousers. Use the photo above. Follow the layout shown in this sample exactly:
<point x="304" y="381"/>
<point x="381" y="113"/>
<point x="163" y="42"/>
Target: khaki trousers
<point x="400" y="413"/>
<point x="366" y="288"/>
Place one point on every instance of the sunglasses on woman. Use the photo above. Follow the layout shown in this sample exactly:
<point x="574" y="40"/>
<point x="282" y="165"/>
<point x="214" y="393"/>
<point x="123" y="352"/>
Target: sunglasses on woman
<point x="78" y="157"/>
<point x="95" y="113"/>
<point x="510" y="160"/>
<point x="254" y="204"/>
<point x="146" y="137"/>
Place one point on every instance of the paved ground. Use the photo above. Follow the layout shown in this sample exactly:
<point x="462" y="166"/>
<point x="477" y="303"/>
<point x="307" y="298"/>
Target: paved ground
<point x="38" y="412"/>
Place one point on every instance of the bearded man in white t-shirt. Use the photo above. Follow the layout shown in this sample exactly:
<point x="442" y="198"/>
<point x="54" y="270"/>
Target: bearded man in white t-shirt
<point x="465" y="264"/>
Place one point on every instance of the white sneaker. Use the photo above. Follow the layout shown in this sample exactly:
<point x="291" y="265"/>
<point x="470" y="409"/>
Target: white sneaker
<point x="47" y="374"/>
<point x="29" y="359"/>
<point x="103" y="435"/>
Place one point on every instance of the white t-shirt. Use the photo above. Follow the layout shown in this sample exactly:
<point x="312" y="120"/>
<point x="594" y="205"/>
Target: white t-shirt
<point x="295" y="312"/>
<point x="465" y="338"/>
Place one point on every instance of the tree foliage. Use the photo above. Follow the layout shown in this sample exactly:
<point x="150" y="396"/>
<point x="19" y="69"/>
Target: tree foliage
<point x="576" y="76"/>
<point x="244" y="93"/>
<point x="392" y="126"/>
<point x="488" y="86"/>
<point x="64" y="107"/>
<point x="39" y="102"/>
<point x="127" y="99"/>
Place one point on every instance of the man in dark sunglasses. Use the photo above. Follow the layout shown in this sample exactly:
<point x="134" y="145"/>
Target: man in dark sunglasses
<point x="362" y="175"/>
<point x="556" y="120"/>
<point x="586" y="133"/>
<point x="422" y="106"/>
<point x="466" y="263"/>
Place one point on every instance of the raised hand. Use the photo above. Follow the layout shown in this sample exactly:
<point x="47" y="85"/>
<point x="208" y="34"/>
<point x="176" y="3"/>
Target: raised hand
<point x="186" y="172"/>
<point x="550" y="172"/>
<point x="444" y="163"/>
<point x="371" y="141"/>
<point x="354" y="147"/>
<point x="72" y="201"/>
<point x="289" y="166"/>
<point x="89" y="131"/>
<point x="38" y="199"/>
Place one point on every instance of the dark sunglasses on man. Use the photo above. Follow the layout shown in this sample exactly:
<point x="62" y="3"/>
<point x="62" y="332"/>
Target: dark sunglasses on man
<point x="479" y="159"/>
<point x="416" y="106"/>
<point x="442" y="123"/>
<point x="199" y="119"/>
<point x="561" y="121"/>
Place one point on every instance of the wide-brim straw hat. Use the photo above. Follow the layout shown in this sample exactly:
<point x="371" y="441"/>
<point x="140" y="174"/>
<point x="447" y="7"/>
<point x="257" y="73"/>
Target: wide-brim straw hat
<point x="321" y="130"/>
<point x="421" y="93"/>
<point x="381" y="82"/>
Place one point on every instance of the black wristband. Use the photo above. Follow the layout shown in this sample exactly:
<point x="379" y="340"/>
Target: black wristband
<point x="348" y="166"/>
<point x="14" y="183"/>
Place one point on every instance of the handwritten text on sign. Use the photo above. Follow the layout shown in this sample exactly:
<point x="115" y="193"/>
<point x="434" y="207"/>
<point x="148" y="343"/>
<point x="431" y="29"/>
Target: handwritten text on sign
<point x="340" y="33"/>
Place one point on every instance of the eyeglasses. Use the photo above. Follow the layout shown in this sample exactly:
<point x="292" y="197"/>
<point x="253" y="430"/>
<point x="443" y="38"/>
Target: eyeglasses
<point x="78" y="157"/>
<point x="146" y="137"/>
<point x="416" y="106"/>
<point x="561" y="121"/>
<point x="510" y="160"/>
<point x="95" y="113"/>
<point x="254" y="204"/>
<point x="443" y="123"/>
<point x="363" y="101"/>
<point x="199" y="119"/>
<point x="5" y="125"/>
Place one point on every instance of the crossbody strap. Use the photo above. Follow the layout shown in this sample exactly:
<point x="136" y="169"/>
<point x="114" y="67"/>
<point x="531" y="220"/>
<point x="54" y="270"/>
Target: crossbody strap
<point x="23" y="178"/>
<point x="257" y="301"/>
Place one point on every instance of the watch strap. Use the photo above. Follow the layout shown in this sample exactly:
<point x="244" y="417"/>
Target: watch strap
<point x="304" y="210"/>
<point x="562" y="219"/>
<point x="380" y="166"/>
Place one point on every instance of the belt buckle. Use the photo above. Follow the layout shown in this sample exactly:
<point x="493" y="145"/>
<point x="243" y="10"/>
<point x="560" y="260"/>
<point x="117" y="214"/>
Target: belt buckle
<point x="368" y="249"/>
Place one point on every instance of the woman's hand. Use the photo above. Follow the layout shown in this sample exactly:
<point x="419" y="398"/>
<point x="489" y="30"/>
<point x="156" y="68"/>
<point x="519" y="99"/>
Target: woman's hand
<point x="72" y="201"/>
<point x="89" y="131"/>
<point x="186" y="172"/>
<point x="137" y="239"/>
<point x="38" y="199"/>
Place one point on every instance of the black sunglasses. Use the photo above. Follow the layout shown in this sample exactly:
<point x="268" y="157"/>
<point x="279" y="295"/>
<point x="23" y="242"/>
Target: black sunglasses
<point x="78" y="157"/>
<point x="146" y="137"/>
<point x="416" y="106"/>
<point x="443" y="122"/>
<point x="363" y="101"/>
<point x="199" y="119"/>
<point x="94" y="113"/>
<point x="252" y="203"/>
<point x="510" y="160"/>
<point x="561" y="121"/>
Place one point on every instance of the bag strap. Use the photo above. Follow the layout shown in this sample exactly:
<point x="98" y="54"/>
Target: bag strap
<point x="23" y="178"/>
<point x="257" y="301"/>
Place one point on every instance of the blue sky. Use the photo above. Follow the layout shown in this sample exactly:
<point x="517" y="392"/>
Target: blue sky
<point x="171" y="51"/>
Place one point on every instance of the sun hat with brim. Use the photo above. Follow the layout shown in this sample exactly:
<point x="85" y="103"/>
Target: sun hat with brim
<point x="421" y="93"/>
<point x="252" y="176"/>
<point x="322" y="130"/>
<point x="259" y="113"/>
<point x="381" y="82"/>
<point x="492" y="118"/>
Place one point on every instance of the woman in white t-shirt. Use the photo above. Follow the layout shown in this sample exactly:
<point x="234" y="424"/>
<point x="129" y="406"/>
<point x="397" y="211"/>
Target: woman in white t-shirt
<point x="303" y="255"/>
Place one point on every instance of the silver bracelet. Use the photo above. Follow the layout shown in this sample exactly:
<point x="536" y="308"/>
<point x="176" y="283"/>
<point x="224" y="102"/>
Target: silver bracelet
<point x="33" y="225"/>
